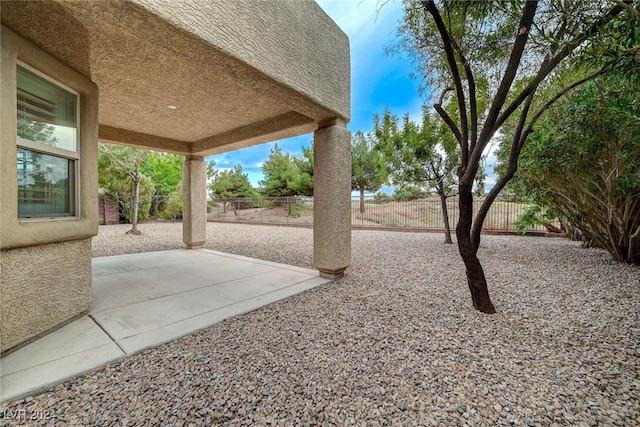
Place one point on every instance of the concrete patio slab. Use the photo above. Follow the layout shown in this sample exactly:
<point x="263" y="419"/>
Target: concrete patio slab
<point x="75" y="348"/>
<point x="144" y="300"/>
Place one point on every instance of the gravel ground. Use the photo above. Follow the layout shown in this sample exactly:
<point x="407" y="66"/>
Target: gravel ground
<point x="394" y="342"/>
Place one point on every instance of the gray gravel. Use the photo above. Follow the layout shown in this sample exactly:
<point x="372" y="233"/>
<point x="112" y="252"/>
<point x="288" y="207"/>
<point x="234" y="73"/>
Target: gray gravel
<point x="395" y="342"/>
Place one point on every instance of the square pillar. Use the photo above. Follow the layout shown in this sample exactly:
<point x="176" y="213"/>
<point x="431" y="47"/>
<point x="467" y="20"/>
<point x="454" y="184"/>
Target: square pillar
<point x="194" y="202"/>
<point x="332" y="200"/>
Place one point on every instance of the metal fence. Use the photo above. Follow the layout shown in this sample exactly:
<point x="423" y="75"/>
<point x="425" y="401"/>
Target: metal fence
<point x="423" y="213"/>
<point x="263" y="210"/>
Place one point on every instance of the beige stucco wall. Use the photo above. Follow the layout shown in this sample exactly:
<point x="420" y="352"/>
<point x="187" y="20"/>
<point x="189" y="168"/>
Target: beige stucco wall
<point x="15" y="233"/>
<point x="45" y="265"/>
<point x="293" y="42"/>
<point x="42" y="287"/>
<point x="332" y="200"/>
<point x="194" y="202"/>
<point x="240" y="72"/>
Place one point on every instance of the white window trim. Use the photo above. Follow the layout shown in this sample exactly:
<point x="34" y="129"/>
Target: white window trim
<point x="47" y="149"/>
<point x="59" y="152"/>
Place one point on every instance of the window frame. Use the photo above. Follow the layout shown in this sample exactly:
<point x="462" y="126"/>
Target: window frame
<point x="72" y="156"/>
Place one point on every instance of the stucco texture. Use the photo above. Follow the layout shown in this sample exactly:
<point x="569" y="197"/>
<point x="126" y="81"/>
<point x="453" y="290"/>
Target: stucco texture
<point x="238" y="72"/>
<point x="42" y="287"/>
<point x="194" y="202"/>
<point x="294" y="42"/>
<point x="332" y="200"/>
<point x="21" y="233"/>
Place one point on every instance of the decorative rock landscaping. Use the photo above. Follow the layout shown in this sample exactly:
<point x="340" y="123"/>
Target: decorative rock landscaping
<point x="394" y="342"/>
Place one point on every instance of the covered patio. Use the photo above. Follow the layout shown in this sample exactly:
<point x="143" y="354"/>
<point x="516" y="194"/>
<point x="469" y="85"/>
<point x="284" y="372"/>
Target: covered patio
<point x="147" y="299"/>
<point x="194" y="78"/>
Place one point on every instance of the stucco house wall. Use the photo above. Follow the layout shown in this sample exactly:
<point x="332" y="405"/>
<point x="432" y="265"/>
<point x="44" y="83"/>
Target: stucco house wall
<point x="45" y="276"/>
<point x="191" y="77"/>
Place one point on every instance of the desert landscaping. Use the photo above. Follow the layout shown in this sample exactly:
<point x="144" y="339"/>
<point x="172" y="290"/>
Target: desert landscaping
<point x="396" y="339"/>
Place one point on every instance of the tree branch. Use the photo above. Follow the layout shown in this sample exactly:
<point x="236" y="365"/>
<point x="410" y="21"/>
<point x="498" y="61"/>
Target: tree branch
<point x="548" y="65"/>
<point x="447" y="118"/>
<point x="520" y="137"/>
<point x="472" y="93"/>
<point x="550" y="102"/>
<point x="626" y="5"/>
<point x="510" y="72"/>
<point x="431" y="7"/>
<point x="512" y="167"/>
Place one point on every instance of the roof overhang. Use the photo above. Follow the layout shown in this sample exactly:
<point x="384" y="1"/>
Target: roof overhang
<point x="198" y="77"/>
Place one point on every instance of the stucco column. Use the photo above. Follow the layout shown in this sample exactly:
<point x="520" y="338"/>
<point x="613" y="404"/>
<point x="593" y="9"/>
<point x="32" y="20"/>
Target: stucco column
<point x="332" y="200"/>
<point x="194" y="202"/>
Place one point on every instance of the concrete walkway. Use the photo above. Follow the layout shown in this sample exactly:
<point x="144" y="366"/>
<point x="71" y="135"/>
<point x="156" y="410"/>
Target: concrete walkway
<point x="144" y="300"/>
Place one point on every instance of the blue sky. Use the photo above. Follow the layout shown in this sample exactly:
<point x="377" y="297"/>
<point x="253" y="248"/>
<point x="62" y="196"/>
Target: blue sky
<point x="377" y="79"/>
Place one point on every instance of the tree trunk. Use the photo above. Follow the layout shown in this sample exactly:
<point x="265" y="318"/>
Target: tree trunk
<point x="445" y="216"/>
<point x="136" y="198"/>
<point x="361" y="200"/>
<point x="475" y="274"/>
<point x="156" y="204"/>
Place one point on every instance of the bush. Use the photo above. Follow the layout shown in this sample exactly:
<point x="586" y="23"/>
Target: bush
<point x="172" y="208"/>
<point x="534" y="215"/>
<point x="123" y="191"/>
<point x="404" y="194"/>
<point x="381" y="198"/>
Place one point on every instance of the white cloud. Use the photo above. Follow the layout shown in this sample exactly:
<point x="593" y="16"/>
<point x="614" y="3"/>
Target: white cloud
<point x="370" y="25"/>
<point x="362" y="19"/>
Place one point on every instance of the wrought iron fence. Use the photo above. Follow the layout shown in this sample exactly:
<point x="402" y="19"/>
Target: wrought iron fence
<point x="276" y="210"/>
<point x="426" y="213"/>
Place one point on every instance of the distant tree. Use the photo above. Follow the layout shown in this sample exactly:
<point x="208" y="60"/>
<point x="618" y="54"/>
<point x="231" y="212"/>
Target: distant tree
<point x="122" y="189"/>
<point x="287" y="175"/>
<point x="368" y="172"/>
<point x="116" y="164"/>
<point x="165" y="170"/>
<point x="521" y="51"/>
<point x="302" y="182"/>
<point x="172" y="208"/>
<point x="232" y="183"/>
<point x="406" y="192"/>
<point x="424" y="155"/>
<point x="211" y="169"/>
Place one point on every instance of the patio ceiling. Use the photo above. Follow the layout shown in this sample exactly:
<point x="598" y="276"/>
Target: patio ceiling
<point x="198" y="78"/>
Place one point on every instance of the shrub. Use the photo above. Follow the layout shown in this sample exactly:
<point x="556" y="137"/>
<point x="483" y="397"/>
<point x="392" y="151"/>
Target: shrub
<point x="381" y="198"/>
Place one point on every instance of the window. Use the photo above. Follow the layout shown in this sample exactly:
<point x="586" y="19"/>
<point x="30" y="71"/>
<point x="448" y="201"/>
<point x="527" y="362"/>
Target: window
<point x="47" y="139"/>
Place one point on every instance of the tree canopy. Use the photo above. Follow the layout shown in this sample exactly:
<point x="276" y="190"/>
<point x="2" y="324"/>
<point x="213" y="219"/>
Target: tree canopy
<point x="498" y="62"/>
<point x="231" y="183"/>
<point x="120" y="175"/>
<point x="287" y="175"/>
<point x="583" y="162"/>
<point x="164" y="169"/>
<point x="423" y="155"/>
<point x="368" y="172"/>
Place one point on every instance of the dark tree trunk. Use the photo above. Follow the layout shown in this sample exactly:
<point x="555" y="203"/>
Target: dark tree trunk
<point x="361" y="199"/>
<point x="156" y="205"/>
<point x="468" y="251"/>
<point x="445" y="216"/>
